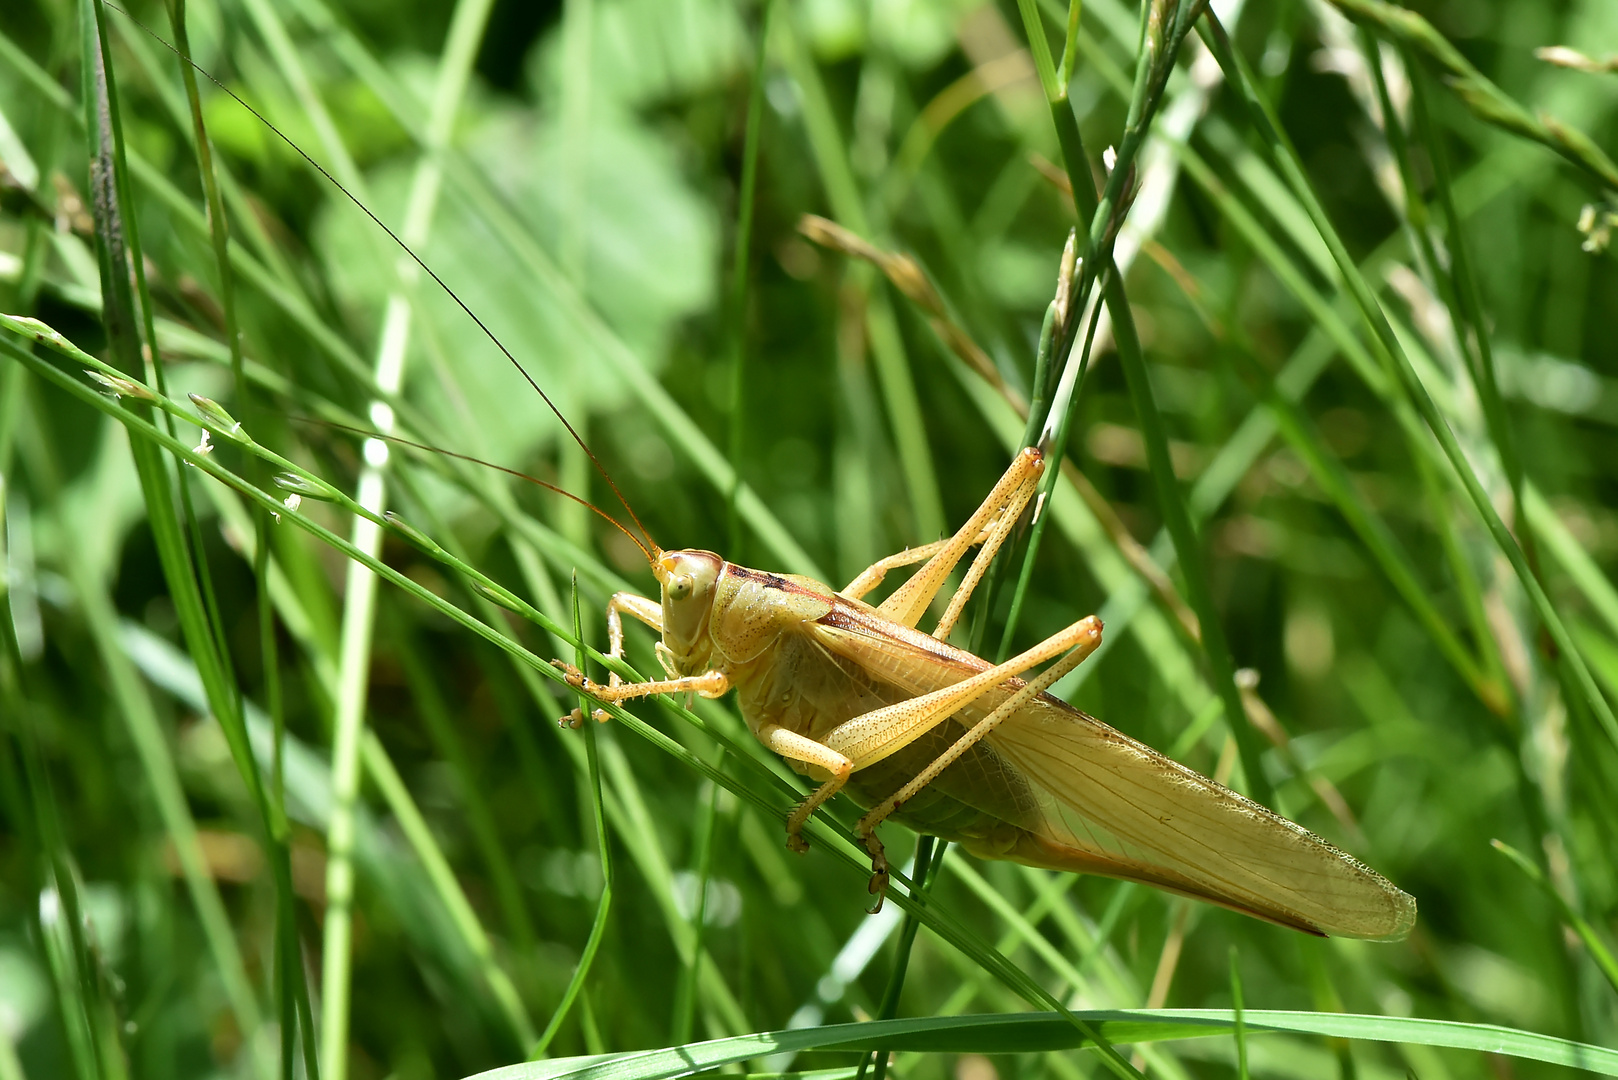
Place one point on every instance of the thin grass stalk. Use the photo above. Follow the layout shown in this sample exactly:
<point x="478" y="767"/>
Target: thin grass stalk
<point x="929" y="860"/>
<point x="146" y="734"/>
<point x="466" y="31"/>
<point x="1485" y="100"/>
<point x="47" y="915"/>
<point x="74" y="1006"/>
<point x="1057" y="453"/>
<point x="685" y="988"/>
<point x="1236" y="1012"/>
<point x="1603" y="956"/>
<point x="436" y="715"/>
<point x="598" y="926"/>
<point x="290" y="985"/>
<point x="117" y="252"/>
<point x="1171" y="502"/>
<point x="887" y="347"/>
<point x="1416" y="224"/>
<point x="65" y="933"/>
<point x="1038" y="406"/>
<point x="1151" y="76"/>
<point x="1286" y="160"/>
<point x="639" y="833"/>
<point x="291" y="990"/>
<point x="226" y="186"/>
<point x="1472" y="327"/>
<point x="741" y="265"/>
<point x="118" y="239"/>
<point x="419" y="836"/>
<point x="129" y="223"/>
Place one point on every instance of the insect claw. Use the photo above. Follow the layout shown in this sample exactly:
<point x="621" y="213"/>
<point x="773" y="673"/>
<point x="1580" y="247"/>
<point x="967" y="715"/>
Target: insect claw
<point x="878" y="886"/>
<point x="601" y="716"/>
<point x="574" y="719"/>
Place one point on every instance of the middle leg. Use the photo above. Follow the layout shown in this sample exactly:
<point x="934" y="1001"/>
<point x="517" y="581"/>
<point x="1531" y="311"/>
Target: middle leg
<point x="999" y="510"/>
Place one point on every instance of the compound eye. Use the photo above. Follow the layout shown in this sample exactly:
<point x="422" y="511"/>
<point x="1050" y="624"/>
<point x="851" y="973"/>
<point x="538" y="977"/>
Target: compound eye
<point x="679" y="587"/>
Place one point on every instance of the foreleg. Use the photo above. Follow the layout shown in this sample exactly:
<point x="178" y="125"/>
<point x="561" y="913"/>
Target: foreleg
<point x="710" y="684"/>
<point x="647" y="611"/>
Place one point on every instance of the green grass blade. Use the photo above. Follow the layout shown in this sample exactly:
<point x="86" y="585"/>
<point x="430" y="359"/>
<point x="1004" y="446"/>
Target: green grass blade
<point x="741" y="274"/>
<point x="598" y="925"/>
<point x="1286" y="160"/>
<point x="1171" y="501"/>
<point x="1236" y="1016"/>
<point x="887" y="347"/>
<point x="1599" y="952"/>
<point x="1044" y="1031"/>
<point x="1486" y="100"/>
<point x="354" y="658"/>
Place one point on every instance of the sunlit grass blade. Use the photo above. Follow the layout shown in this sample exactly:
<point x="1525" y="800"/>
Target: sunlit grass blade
<point x="354" y="658"/>
<point x="1036" y="1031"/>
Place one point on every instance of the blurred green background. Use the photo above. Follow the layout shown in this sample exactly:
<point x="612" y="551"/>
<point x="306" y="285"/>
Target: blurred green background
<point x="574" y="172"/>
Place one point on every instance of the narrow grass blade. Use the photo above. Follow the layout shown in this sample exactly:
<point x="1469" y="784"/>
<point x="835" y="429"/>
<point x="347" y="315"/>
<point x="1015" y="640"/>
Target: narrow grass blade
<point x="741" y="274"/>
<point x="1599" y="952"/>
<point x="1236" y="1016"/>
<point x="1286" y="159"/>
<point x="354" y="661"/>
<point x="848" y="207"/>
<point x="1486" y="100"/>
<point x="1044" y="1031"/>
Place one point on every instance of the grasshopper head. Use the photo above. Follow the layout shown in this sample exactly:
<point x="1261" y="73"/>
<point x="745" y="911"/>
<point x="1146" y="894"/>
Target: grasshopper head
<point x="688" y="579"/>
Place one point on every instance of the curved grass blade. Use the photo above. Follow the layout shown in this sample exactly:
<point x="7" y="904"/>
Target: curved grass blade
<point x="1030" y="1032"/>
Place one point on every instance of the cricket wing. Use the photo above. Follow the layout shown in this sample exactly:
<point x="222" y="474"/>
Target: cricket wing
<point x="1104" y="803"/>
<point x="1114" y="806"/>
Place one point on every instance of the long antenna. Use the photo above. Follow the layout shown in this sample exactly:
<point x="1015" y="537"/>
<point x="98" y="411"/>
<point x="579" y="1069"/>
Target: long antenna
<point x="442" y="284"/>
<point x="651" y="552"/>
